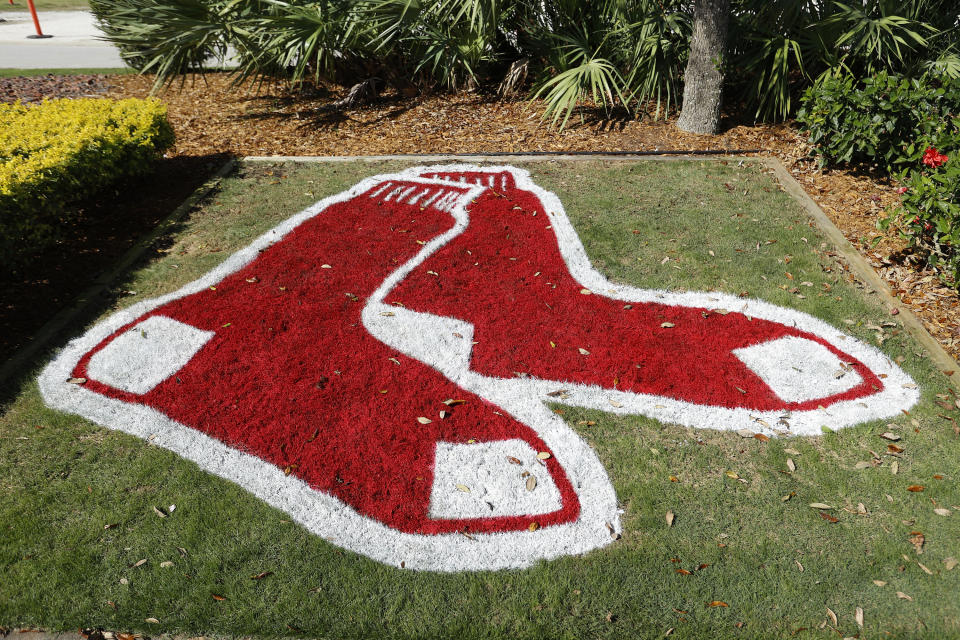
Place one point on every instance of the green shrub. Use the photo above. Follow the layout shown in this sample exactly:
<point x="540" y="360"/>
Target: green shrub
<point x="928" y="215"/>
<point x="885" y="119"/>
<point x="60" y="151"/>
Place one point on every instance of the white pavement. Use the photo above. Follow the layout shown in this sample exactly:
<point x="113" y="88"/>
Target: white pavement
<point x="75" y="43"/>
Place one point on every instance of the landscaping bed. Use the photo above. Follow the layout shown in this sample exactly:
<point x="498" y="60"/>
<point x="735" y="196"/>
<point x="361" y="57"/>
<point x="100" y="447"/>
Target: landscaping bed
<point x="209" y="117"/>
<point x="723" y="533"/>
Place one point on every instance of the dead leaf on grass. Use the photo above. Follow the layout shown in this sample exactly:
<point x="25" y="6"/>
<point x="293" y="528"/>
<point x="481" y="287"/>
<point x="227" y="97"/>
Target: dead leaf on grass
<point x="917" y="539"/>
<point x="940" y="511"/>
<point x="858" y="616"/>
<point x="903" y="596"/>
<point x="887" y="435"/>
<point x="217" y="597"/>
<point x="513" y="460"/>
<point x="531" y="483"/>
<point x="717" y="603"/>
<point x="423" y="420"/>
<point x="819" y="505"/>
<point x="543" y="455"/>
<point x="832" y="616"/>
<point x="950" y="563"/>
<point x="464" y="488"/>
<point x="791" y="465"/>
<point x="915" y="488"/>
<point x="151" y="620"/>
<point x="261" y="575"/>
<point x="669" y="518"/>
<point x="829" y="518"/>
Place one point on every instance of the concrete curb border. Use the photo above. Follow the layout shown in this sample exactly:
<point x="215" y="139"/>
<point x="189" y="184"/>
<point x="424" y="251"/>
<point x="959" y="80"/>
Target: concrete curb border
<point x="67" y="315"/>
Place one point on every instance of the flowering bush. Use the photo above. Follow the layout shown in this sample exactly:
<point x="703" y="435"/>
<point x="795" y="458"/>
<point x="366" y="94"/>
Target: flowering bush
<point x="886" y="120"/>
<point x="64" y="150"/>
<point x="928" y="215"/>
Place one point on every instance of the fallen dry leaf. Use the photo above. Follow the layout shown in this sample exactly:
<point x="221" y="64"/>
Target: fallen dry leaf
<point x="915" y="488"/>
<point x="583" y="351"/>
<point x="261" y="575"/>
<point x="887" y="435"/>
<point x="423" y="420"/>
<point x="791" y="465"/>
<point x="138" y="563"/>
<point x="950" y="563"/>
<point x="217" y="597"/>
<point x="925" y="569"/>
<point x="76" y="380"/>
<point x="761" y="437"/>
<point x="829" y="518"/>
<point x="159" y="512"/>
<point x="880" y="583"/>
<point x="533" y="526"/>
<point x="717" y="603"/>
<point x="832" y="616"/>
<point x="463" y="487"/>
<point x="513" y="460"/>
<point x="166" y="563"/>
<point x="668" y="325"/>
<point x="543" y="455"/>
<point x="151" y="620"/>
<point x="669" y="518"/>
<point x="858" y="616"/>
<point x="903" y="596"/>
<point x="917" y="539"/>
<point x="531" y="483"/>
<point x="819" y="505"/>
<point x="940" y="511"/>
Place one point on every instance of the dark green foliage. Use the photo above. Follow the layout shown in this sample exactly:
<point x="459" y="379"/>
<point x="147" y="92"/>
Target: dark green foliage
<point x="885" y="119"/>
<point x="929" y="212"/>
<point x="610" y="53"/>
<point x="901" y="126"/>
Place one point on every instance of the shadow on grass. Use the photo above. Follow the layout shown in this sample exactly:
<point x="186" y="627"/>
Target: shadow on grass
<point x="104" y="229"/>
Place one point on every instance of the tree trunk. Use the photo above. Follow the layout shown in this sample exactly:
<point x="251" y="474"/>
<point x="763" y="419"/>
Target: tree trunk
<point x="703" y="80"/>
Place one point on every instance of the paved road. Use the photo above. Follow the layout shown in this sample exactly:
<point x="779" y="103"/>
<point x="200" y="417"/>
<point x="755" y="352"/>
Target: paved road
<point x="75" y="42"/>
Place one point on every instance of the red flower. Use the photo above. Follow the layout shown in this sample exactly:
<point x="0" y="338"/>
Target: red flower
<point x="901" y="190"/>
<point x="933" y="158"/>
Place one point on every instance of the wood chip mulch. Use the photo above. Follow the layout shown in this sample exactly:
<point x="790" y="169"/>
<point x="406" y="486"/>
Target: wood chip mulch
<point x="210" y="117"/>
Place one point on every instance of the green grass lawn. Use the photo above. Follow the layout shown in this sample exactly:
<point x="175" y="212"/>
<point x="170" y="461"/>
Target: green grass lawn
<point x="45" y="5"/>
<point x="77" y="500"/>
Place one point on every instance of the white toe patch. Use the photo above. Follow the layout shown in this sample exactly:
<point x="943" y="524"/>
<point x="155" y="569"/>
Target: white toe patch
<point x="479" y="481"/>
<point x="146" y="354"/>
<point x="798" y="369"/>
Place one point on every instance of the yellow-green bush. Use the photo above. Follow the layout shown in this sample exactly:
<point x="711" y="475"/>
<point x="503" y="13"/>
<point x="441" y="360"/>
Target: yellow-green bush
<point x="60" y="151"/>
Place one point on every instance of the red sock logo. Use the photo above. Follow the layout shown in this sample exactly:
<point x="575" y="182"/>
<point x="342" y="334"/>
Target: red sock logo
<point x="377" y="366"/>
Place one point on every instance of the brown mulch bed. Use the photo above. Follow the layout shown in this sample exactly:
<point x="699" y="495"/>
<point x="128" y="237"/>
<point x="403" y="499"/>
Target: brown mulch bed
<point x="211" y="117"/>
<point x="36" y="88"/>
